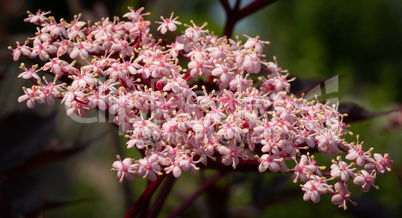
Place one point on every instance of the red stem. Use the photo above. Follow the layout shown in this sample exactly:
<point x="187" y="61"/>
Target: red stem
<point x="266" y="69"/>
<point x="144" y="198"/>
<point x="34" y="82"/>
<point x="164" y="192"/>
<point x="214" y="178"/>
<point x="187" y="76"/>
<point x="326" y="173"/>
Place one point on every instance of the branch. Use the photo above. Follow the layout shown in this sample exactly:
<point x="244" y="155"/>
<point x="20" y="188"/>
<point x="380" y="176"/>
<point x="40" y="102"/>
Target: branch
<point x="225" y="5"/>
<point x="160" y="200"/>
<point x="144" y="198"/>
<point x="235" y="14"/>
<point x="214" y="178"/>
<point x="255" y="6"/>
<point x="237" y="5"/>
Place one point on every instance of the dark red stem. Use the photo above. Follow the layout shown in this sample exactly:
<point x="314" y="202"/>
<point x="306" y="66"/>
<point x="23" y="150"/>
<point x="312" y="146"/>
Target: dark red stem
<point x="145" y="197"/>
<point x="34" y="82"/>
<point x="214" y="178"/>
<point x="160" y="200"/>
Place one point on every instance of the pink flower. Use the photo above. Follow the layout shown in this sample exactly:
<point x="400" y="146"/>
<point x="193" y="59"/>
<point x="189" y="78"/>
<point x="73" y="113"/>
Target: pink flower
<point x="38" y="18"/>
<point x="231" y="131"/>
<point x="43" y="50"/>
<point x="252" y="63"/>
<point x="271" y="162"/>
<point x="231" y="154"/>
<point x="24" y="49"/>
<point x="229" y="100"/>
<point x="366" y="180"/>
<point x="29" y="73"/>
<point x="314" y="188"/>
<point x="342" y="170"/>
<point x="328" y="143"/>
<point x="255" y="43"/>
<point x="223" y="72"/>
<point x="342" y="195"/>
<point x="303" y="169"/>
<point x="123" y="48"/>
<point x="383" y="163"/>
<point x="124" y="169"/>
<point x="146" y="129"/>
<point x="168" y="24"/>
<point x="31" y="96"/>
<point x="174" y="167"/>
<point x="134" y="15"/>
<point x="149" y="167"/>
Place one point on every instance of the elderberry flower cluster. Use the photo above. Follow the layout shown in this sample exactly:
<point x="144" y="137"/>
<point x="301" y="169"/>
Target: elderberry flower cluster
<point x="117" y="66"/>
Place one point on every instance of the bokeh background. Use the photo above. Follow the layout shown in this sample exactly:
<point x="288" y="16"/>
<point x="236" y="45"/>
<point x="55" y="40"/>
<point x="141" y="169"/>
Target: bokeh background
<point x="51" y="162"/>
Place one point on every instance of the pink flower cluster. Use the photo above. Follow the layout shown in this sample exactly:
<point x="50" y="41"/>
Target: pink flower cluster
<point x="179" y="128"/>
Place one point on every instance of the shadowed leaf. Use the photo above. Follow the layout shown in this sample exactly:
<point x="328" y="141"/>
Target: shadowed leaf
<point x="20" y="195"/>
<point x="25" y="145"/>
<point x="357" y="113"/>
<point x="55" y="150"/>
<point x="304" y="86"/>
<point x="23" y="134"/>
<point x="52" y="151"/>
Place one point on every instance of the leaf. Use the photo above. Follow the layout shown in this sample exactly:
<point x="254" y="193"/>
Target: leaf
<point x="55" y="150"/>
<point x="304" y="86"/>
<point x="23" y="134"/>
<point x="52" y="151"/>
<point x="21" y="196"/>
<point x="357" y="113"/>
<point x="25" y="145"/>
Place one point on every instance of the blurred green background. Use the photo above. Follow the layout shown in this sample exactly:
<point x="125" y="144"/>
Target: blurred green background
<point x="359" y="41"/>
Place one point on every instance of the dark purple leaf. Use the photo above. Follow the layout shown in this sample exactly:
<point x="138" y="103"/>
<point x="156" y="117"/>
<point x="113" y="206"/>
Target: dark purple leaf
<point x="23" y="136"/>
<point x="358" y="113"/>
<point x="20" y="195"/>
<point x="304" y="86"/>
<point x="51" y="151"/>
<point x="22" y="152"/>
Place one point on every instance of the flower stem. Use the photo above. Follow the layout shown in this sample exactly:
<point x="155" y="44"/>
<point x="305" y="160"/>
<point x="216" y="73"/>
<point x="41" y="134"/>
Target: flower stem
<point x="214" y="178"/>
<point x="160" y="200"/>
<point x="145" y="197"/>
